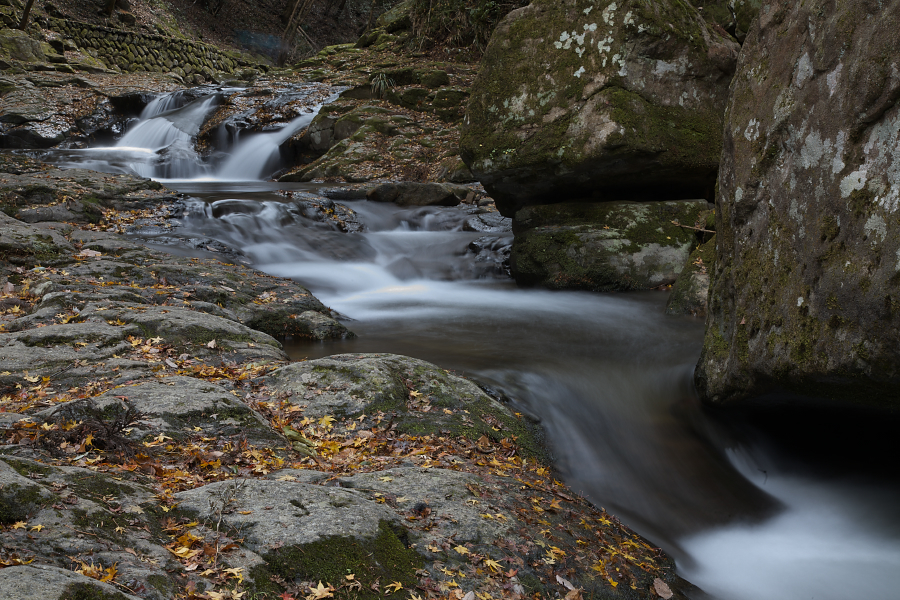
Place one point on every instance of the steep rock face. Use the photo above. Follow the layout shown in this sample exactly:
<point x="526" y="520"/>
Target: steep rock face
<point x="805" y="300"/>
<point x="581" y="98"/>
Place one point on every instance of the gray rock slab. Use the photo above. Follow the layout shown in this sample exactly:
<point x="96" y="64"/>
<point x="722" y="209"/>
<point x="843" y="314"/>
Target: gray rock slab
<point x="173" y="404"/>
<point x="286" y="512"/>
<point x="43" y="582"/>
<point x="445" y="493"/>
<point x="349" y="384"/>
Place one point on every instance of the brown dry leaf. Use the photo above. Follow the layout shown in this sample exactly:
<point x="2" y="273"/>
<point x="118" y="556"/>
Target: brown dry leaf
<point x="660" y="587"/>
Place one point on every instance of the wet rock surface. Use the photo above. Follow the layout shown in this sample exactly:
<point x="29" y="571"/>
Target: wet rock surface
<point x="46" y="109"/>
<point x="804" y="294"/>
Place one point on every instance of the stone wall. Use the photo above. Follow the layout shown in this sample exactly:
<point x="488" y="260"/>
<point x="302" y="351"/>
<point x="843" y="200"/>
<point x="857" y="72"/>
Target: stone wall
<point x="131" y="51"/>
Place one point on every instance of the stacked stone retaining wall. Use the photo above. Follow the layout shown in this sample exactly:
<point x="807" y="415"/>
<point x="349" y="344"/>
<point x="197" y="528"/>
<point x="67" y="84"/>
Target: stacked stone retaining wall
<point x="131" y="51"/>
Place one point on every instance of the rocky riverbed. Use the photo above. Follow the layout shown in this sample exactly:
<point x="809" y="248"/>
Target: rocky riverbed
<point x="158" y="443"/>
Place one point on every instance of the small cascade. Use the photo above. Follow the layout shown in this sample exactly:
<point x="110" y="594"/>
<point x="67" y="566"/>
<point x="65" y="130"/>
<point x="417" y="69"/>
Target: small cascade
<point x="160" y="144"/>
<point x="164" y="128"/>
<point x="255" y="158"/>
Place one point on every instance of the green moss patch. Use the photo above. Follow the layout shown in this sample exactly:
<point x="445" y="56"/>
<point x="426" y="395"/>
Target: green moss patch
<point x="384" y="559"/>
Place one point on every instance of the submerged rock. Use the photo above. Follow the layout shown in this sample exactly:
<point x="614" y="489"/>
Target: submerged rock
<point x="592" y="98"/>
<point x="805" y="298"/>
<point x="608" y="246"/>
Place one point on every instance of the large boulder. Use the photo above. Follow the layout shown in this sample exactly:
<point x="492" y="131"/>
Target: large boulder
<point x="592" y="98"/>
<point x="604" y="246"/>
<point x="805" y="300"/>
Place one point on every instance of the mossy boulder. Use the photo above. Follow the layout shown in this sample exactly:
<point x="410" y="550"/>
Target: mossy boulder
<point x="592" y="98"/>
<point x="606" y="246"/>
<point x="18" y="45"/>
<point x="805" y="297"/>
<point x="397" y="18"/>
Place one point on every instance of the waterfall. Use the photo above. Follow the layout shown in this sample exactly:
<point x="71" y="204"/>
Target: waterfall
<point x="249" y="159"/>
<point x="161" y="144"/>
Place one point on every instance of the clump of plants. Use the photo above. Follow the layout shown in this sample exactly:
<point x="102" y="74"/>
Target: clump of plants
<point x="458" y="23"/>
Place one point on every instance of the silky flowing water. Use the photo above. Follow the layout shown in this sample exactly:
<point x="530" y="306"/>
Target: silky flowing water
<point x="775" y="505"/>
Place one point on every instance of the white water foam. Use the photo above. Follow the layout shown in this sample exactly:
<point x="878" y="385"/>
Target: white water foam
<point x="832" y="542"/>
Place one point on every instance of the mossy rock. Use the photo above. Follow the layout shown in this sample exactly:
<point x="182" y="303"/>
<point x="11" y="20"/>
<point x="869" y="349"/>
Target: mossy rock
<point x="609" y="246"/>
<point x="610" y="100"/>
<point x="384" y="558"/>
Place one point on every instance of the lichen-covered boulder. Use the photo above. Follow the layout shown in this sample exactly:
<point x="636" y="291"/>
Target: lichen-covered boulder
<point x="805" y="299"/>
<point x="605" y="246"/>
<point x="593" y="98"/>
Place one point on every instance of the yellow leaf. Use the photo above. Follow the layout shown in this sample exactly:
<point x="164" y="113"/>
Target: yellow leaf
<point x="37" y="528"/>
<point x="397" y="586"/>
<point x="321" y="592"/>
<point x="326" y="421"/>
<point x="493" y="565"/>
<point x="461" y="549"/>
<point x="20" y="525"/>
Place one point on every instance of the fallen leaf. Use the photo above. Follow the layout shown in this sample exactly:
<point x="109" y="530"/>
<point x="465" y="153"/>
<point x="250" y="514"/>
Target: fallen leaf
<point x="397" y="586"/>
<point x="660" y="587"/>
<point x="321" y="592"/>
<point x="461" y="549"/>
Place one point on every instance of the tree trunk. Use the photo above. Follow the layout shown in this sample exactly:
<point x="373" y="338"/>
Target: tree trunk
<point x="25" y="14"/>
<point x="110" y="7"/>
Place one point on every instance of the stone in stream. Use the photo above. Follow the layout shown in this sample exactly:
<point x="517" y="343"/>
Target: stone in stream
<point x="408" y="193"/>
<point x="606" y="246"/>
<point x="805" y="297"/>
<point x="599" y="99"/>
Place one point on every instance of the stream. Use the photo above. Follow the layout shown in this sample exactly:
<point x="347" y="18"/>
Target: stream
<point x="764" y="505"/>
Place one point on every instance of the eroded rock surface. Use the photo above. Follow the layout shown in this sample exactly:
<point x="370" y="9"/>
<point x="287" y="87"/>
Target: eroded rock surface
<point x="804" y="298"/>
<point x="592" y="98"/>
